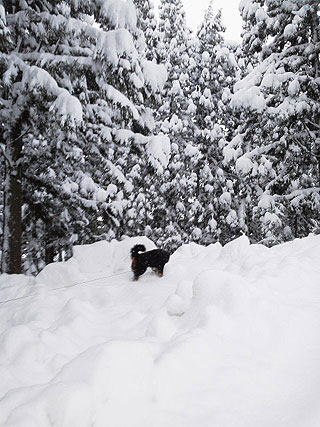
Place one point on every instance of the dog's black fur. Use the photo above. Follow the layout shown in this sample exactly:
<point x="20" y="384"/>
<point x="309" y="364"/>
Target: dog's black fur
<point x="156" y="259"/>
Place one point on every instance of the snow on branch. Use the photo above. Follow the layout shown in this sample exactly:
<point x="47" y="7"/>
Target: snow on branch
<point x="121" y="13"/>
<point x="118" y="98"/>
<point x="11" y="71"/>
<point x="267" y="201"/>
<point x="297" y="194"/>
<point x="113" y="44"/>
<point x="269" y="74"/>
<point x="248" y="8"/>
<point x="159" y="150"/>
<point x="250" y="98"/>
<point x="66" y="105"/>
<point x="3" y="29"/>
<point x="2" y="14"/>
<point x="119" y="176"/>
<point x="92" y="195"/>
<point x="110" y="44"/>
<point x="233" y="149"/>
<point x="244" y="165"/>
<point x="70" y="25"/>
<point x="155" y="75"/>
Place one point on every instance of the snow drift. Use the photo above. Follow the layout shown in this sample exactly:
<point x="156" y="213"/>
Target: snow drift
<point x="229" y="337"/>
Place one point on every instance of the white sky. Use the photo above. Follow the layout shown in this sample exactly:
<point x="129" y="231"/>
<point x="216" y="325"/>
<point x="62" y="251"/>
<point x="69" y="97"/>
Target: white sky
<point x="230" y="14"/>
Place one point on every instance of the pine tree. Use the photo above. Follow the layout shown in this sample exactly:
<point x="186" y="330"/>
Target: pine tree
<point x="72" y="114"/>
<point x="279" y="158"/>
<point x="148" y="24"/>
<point x="175" y="120"/>
<point x="213" y="77"/>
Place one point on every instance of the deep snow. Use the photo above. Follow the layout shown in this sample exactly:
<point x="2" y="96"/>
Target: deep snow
<point x="229" y="337"/>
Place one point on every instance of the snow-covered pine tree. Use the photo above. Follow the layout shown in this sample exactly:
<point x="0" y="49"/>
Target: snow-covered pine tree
<point x="148" y="178"/>
<point x="174" y="119"/>
<point x="213" y="77"/>
<point x="22" y="86"/>
<point x="4" y="45"/>
<point x="128" y="148"/>
<point x="148" y="24"/>
<point x="279" y="157"/>
<point x="72" y="91"/>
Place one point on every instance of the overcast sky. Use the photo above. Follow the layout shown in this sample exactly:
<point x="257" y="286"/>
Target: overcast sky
<point x="230" y="14"/>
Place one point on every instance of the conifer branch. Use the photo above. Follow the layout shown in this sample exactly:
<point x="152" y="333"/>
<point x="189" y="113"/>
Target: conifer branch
<point x="3" y="149"/>
<point x="20" y="136"/>
<point x="313" y="124"/>
<point x="305" y="148"/>
<point x="2" y="146"/>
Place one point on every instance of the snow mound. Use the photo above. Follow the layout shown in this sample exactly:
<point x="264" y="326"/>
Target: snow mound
<point x="92" y="261"/>
<point x="228" y="337"/>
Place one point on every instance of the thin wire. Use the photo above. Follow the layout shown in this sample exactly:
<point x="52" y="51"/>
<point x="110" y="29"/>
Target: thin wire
<point x="88" y="281"/>
<point x="64" y="287"/>
<point x="16" y="299"/>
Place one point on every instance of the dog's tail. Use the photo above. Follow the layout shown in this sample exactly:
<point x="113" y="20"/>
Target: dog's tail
<point x="136" y="249"/>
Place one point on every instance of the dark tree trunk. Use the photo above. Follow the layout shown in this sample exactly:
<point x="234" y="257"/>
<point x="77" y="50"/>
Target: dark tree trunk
<point x="315" y="28"/>
<point x="12" y="218"/>
<point x="49" y="255"/>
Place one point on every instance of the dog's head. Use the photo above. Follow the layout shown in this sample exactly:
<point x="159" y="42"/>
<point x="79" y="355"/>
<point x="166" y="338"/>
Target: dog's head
<point x="136" y="249"/>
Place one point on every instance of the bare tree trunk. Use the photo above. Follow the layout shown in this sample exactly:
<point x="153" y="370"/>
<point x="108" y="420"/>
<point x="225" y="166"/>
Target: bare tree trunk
<point x="12" y="217"/>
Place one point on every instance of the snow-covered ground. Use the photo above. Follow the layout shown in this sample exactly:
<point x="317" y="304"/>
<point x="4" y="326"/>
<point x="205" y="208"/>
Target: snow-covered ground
<point x="229" y="337"/>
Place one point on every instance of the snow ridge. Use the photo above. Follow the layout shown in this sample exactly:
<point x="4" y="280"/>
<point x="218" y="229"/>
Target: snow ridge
<point x="228" y="337"/>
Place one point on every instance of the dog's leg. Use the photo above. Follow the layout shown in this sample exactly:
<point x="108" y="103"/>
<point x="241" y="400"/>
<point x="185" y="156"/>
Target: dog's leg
<point x="133" y="268"/>
<point x="139" y="270"/>
<point x="159" y="271"/>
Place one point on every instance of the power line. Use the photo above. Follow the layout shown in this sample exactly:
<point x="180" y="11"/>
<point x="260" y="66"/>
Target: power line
<point x="64" y="287"/>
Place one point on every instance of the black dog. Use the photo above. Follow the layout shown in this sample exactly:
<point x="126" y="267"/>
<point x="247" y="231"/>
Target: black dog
<point x="156" y="259"/>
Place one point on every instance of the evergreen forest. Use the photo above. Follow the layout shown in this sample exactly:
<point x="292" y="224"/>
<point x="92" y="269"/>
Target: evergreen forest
<point x="117" y="120"/>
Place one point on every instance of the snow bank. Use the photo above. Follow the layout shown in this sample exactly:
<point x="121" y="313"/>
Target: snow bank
<point x="91" y="261"/>
<point x="228" y="337"/>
